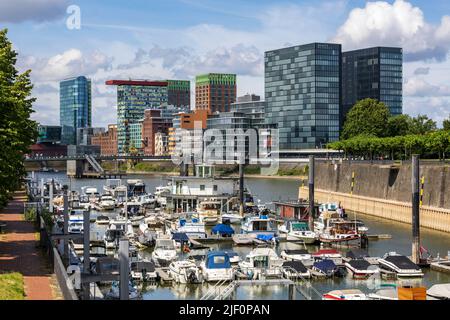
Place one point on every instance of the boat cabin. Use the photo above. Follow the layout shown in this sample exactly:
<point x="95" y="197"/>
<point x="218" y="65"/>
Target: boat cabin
<point x="298" y="210"/>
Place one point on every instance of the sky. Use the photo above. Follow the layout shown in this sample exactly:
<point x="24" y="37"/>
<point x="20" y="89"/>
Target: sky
<point x="178" y="39"/>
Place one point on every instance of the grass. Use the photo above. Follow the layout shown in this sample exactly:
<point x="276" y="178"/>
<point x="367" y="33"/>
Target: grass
<point x="11" y="286"/>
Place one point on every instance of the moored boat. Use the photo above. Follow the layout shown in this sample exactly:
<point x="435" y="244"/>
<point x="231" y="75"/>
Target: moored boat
<point x="217" y="267"/>
<point x="348" y="294"/>
<point x="400" y="264"/>
<point x="185" y="272"/>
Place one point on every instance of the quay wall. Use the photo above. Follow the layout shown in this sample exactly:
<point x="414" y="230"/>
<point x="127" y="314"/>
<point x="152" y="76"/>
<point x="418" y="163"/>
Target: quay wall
<point x="430" y="217"/>
<point x="386" y="182"/>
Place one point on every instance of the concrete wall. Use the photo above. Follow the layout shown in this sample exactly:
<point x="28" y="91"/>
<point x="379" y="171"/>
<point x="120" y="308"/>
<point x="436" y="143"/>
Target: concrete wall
<point x="385" y="181"/>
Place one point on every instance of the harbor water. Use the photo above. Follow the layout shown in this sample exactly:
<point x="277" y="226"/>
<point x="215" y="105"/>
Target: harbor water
<point x="273" y="189"/>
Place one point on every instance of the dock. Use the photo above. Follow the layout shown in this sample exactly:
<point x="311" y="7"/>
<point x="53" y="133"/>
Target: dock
<point x="163" y="275"/>
<point x="441" y="266"/>
<point x="379" y="236"/>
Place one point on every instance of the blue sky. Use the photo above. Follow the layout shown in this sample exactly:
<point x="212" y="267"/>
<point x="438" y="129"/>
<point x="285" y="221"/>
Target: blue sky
<point x="182" y="38"/>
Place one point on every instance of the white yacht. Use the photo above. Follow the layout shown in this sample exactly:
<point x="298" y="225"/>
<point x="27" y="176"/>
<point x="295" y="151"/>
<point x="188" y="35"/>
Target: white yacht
<point x="400" y="264"/>
<point x="259" y="224"/>
<point x="298" y="230"/>
<point x="298" y="255"/>
<point x="232" y="217"/>
<point x="193" y="229"/>
<point x="217" y="267"/>
<point x="145" y="200"/>
<point x="107" y="202"/>
<point x="164" y="252"/>
<point x="261" y="262"/>
<point x="185" y="272"/>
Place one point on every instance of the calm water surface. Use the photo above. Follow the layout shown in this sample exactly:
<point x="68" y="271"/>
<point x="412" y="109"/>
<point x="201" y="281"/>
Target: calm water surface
<point x="268" y="190"/>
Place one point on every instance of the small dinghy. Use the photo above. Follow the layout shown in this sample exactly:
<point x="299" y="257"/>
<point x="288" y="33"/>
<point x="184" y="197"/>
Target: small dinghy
<point x="349" y="294"/>
<point x="295" y="270"/>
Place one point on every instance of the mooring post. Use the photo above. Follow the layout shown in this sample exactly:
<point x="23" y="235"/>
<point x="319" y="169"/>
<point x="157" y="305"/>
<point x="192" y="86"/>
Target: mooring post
<point x="415" y="209"/>
<point x="124" y="269"/>
<point x="50" y="198"/>
<point x="86" y="251"/>
<point x="291" y="291"/>
<point x="241" y="189"/>
<point x="66" y="224"/>
<point x="311" y="192"/>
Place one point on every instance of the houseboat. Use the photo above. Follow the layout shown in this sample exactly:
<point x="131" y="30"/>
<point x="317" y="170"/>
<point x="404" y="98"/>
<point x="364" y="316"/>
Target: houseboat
<point x="217" y="267"/>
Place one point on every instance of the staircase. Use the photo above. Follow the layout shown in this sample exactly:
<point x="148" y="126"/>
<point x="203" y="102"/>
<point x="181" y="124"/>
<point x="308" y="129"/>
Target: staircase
<point x="97" y="167"/>
<point x="220" y="291"/>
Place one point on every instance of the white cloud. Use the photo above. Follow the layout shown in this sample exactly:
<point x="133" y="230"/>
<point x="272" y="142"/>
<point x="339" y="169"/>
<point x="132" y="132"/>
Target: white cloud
<point x="418" y="87"/>
<point x="31" y="10"/>
<point x="399" y="24"/>
<point x="437" y="108"/>
<point x="422" y="71"/>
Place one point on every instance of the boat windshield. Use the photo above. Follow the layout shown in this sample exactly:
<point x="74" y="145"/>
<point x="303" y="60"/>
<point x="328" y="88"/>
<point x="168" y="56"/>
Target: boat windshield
<point x="261" y="262"/>
<point x="261" y="225"/>
<point x="299" y="226"/>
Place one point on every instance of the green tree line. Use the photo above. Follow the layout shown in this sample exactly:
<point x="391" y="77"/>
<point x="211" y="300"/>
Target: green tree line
<point x="17" y="131"/>
<point x="372" y="132"/>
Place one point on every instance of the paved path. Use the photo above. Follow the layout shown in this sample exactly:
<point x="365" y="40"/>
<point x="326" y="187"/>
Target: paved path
<point x="19" y="251"/>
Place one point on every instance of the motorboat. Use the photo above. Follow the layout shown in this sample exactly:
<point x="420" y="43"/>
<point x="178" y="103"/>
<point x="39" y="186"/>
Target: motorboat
<point x="328" y="207"/>
<point x="76" y="218"/>
<point x="193" y="229"/>
<point x="84" y="202"/>
<point x="185" y="272"/>
<point x="341" y="231"/>
<point x="328" y="268"/>
<point x="329" y="254"/>
<point x="111" y="238"/>
<point x="385" y="292"/>
<point x="164" y="251"/>
<point x="102" y="220"/>
<point x="361" y="268"/>
<point x="161" y="194"/>
<point x="326" y="220"/>
<point x="209" y="211"/>
<point x="114" y="292"/>
<point x="260" y="224"/>
<point x="75" y="227"/>
<point x="439" y="292"/>
<point x="143" y="271"/>
<point x="132" y="208"/>
<point x="222" y="230"/>
<point x="295" y="270"/>
<point x="348" y="294"/>
<point x="217" y="267"/>
<point x="400" y="264"/>
<point x="233" y="218"/>
<point x="298" y="230"/>
<point x="92" y="193"/>
<point x="107" y="202"/>
<point x="145" y="200"/>
<point x="197" y="258"/>
<point x="261" y="263"/>
<point x="297" y="255"/>
<point x="123" y="224"/>
<point x="135" y="187"/>
<point x="234" y="257"/>
<point x="244" y="239"/>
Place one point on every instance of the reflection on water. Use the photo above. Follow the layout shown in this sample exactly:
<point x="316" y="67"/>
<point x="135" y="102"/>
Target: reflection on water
<point x="268" y="190"/>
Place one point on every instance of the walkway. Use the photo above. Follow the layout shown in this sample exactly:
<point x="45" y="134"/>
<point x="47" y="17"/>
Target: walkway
<point x="19" y="252"/>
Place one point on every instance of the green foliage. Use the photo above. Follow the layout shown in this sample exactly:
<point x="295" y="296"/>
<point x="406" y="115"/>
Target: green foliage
<point x="149" y="167"/>
<point x="367" y="117"/>
<point x="11" y="286"/>
<point x="422" y="125"/>
<point x="48" y="219"/>
<point x="30" y="214"/>
<point x="446" y="124"/>
<point x="17" y="131"/>
<point x="398" y="125"/>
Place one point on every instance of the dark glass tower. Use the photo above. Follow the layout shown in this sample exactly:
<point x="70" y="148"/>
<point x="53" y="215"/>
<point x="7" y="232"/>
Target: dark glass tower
<point x="372" y="73"/>
<point x="303" y="94"/>
<point x="74" y="107"/>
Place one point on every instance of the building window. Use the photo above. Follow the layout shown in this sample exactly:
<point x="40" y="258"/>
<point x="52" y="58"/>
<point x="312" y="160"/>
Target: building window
<point x="215" y="187"/>
<point x="202" y="187"/>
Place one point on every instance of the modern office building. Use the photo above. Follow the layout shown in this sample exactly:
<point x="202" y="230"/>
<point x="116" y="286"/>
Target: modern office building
<point x="372" y="73"/>
<point x="252" y="107"/>
<point x="303" y="94"/>
<point x="74" y="107"/>
<point x="135" y="96"/>
<point x="215" y="92"/>
<point x="135" y="131"/>
<point x="49" y="134"/>
<point x="84" y="135"/>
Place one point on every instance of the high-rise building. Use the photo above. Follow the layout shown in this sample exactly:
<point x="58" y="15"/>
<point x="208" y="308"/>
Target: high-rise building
<point x="84" y="135"/>
<point x="252" y="107"/>
<point x="75" y="109"/>
<point x="303" y="94"/>
<point x="135" y="96"/>
<point x="372" y="73"/>
<point x="215" y="92"/>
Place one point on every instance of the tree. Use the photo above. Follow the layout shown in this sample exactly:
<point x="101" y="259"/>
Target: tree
<point x="367" y="117"/>
<point x="398" y="125"/>
<point x="422" y="125"/>
<point x="17" y="131"/>
<point x="446" y="124"/>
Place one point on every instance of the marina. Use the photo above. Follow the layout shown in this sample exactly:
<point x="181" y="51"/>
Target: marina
<point x="182" y="255"/>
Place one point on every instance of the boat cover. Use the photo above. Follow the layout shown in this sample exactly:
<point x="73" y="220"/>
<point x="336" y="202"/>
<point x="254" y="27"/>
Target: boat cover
<point x="218" y="260"/>
<point x="264" y="237"/>
<point x="296" y="265"/>
<point x="440" y="291"/>
<point x="359" y="264"/>
<point x="402" y="262"/>
<point x="223" y="229"/>
<point x="325" y="265"/>
<point x="296" y="251"/>
<point x="357" y="253"/>
<point x="180" y="237"/>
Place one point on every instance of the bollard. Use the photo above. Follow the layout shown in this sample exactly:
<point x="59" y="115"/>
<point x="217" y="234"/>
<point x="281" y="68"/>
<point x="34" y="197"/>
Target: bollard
<point x="66" y="224"/>
<point x="124" y="269"/>
<point x="311" y="193"/>
<point x="50" y="200"/>
<point x="86" y="251"/>
<point x="241" y="189"/>
<point x="415" y="171"/>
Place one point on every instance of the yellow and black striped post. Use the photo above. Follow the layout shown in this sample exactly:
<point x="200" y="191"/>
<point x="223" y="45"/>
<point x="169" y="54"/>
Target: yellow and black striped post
<point x="353" y="183"/>
<point x="422" y="183"/>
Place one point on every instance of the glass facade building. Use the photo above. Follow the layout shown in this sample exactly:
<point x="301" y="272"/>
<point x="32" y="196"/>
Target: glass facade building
<point x="136" y="136"/>
<point x="74" y="107"/>
<point x="253" y="108"/>
<point x="303" y="94"/>
<point x="373" y="73"/>
<point x="49" y="134"/>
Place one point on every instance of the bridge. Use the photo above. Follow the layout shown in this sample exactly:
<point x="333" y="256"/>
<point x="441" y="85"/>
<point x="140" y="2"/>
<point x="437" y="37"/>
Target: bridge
<point x="99" y="157"/>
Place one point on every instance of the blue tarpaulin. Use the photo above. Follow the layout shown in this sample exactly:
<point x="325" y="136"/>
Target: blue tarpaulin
<point x="264" y="237"/>
<point x="223" y="230"/>
<point x="218" y="260"/>
<point x="180" y="237"/>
